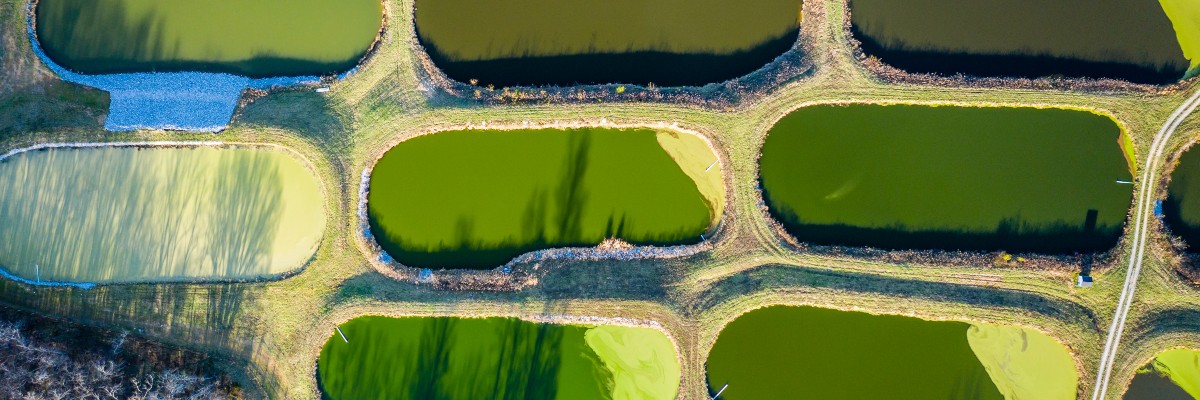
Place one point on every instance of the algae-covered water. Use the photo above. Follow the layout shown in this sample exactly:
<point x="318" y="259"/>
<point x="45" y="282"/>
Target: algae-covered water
<point x="495" y="358"/>
<point x="1145" y="41"/>
<point x="121" y="214"/>
<point x="953" y="178"/>
<point x="1181" y="208"/>
<point x="805" y="352"/>
<point x="564" y="42"/>
<point x="260" y="38"/>
<point x="1172" y="374"/>
<point x="476" y="199"/>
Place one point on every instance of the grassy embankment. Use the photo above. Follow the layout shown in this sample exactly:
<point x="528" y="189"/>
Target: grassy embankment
<point x="280" y="326"/>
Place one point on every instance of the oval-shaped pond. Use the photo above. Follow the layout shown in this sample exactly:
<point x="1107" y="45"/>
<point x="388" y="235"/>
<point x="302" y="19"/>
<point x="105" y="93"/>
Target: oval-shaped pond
<point x="495" y="358"/>
<point x="567" y="42"/>
<point x="1144" y="41"/>
<point x="953" y="178"/>
<point x="805" y="352"/>
<point x="1171" y="375"/>
<point x="1181" y="208"/>
<point x="122" y="214"/>
<point x="476" y="199"/>
<point x="261" y="38"/>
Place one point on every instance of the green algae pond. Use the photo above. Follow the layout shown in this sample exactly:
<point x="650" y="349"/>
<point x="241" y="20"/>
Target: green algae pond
<point x="261" y="38"/>
<point x="135" y="214"/>
<point x="476" y="199"/>
<point x="1171" y="375"/>
<point x="1181" y="208"/>
<point x="805" y="352"/>
<point x="566" y="42"/>
<point x="949" y="178"/>
<point x="1143" y="41"/>
<point x="495" y="358"/>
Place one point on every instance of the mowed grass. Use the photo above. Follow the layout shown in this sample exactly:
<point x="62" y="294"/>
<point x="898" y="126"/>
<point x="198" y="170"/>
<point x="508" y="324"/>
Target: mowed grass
<point x="503" y="358"/>
<point x="476" y="199"/>
<point x="255" y="38"/>
<point x="122" y="214"/>
<point x="955" y="178"/>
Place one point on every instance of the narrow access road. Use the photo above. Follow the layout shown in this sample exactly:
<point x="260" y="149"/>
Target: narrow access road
<point x="1143" y="211"/>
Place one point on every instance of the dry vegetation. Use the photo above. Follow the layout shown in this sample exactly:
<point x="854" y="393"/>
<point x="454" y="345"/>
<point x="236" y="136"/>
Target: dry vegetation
<point x="44" y="359"/>
<point x="276" y="328"/>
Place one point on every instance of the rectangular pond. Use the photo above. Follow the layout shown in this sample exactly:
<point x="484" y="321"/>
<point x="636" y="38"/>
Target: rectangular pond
<point x="494" y="358"/>
<point x="134" y="214"/>
<point x="260" y="38"/>
<point x="476" y="199"/>
<point x="953" y="178"/>
<point x="805" y="352"/>
<point x="1181" y="208"/>
<point x="1143" y="41"/>
<point x="566" y="42"/>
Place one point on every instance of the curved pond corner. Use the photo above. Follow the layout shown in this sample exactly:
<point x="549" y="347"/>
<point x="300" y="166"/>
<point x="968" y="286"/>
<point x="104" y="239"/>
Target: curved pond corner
<point x="789" y="352"/>
<point x="948" y="178"/>
<point x="1141" y="41"/>
<point x="1171" y="375"/>
<point x="568" y="42"/>
<point x="178" y="64"/>
<point x="1181" y="208"/>
<point x="474" y="358"/>
<point x="139" y="214"/>
<point x="477" y="199"/>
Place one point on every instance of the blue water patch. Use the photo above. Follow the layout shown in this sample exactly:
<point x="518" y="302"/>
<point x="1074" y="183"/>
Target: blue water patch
<point x="186" y="101"/>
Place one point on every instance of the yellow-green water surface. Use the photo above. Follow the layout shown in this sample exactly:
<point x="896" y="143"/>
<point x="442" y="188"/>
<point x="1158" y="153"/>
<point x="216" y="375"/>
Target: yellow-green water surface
<point x="668" y="42"/>
<point x="945" y="177"/>
<point x="122" y="214"/>
<point x="495" y="358"/>
<point x="476" y="199"/>
<point x="1148" y="41"/>
<point x="1173" y="374"/>
<point x="259" y="38"/>
<point x="805" y="352"/>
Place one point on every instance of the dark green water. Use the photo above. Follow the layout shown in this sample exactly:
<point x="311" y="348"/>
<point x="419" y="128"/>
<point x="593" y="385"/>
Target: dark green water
<point x="1181" y="209"/>
<point x="566" y="42"/>
<point x="1152" y="386"/>
<point x="459" y="358"/>
<point x="1125" y="39"/>
<point x="804" y="352"/>
<point x="954" y="178"/>
<point x="476" y="199"/>
<point x="260" y="38"/>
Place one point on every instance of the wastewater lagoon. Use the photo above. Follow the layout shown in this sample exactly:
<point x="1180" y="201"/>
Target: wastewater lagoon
<point x="805" y="352"/>
<point x="952" y="178"/>
<point x="476" y="199"/>
<point x="130" y="214"/>
<point x="1143" y="41"/>
<point x="1181" y="208"/>
<point x="262" y="38"/>
<point x="1171" y="375"/>
<point x="497" y="358"/>
<point x="566" y="42"/>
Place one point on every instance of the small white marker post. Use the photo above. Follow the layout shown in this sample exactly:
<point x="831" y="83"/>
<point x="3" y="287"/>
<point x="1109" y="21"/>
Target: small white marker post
<point x="38" y="270"/>
<point x="719" y="391"/>
<point x="1125" y="182"/>
<point x="339" y="329"/>
<point x="711" y="165"/>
